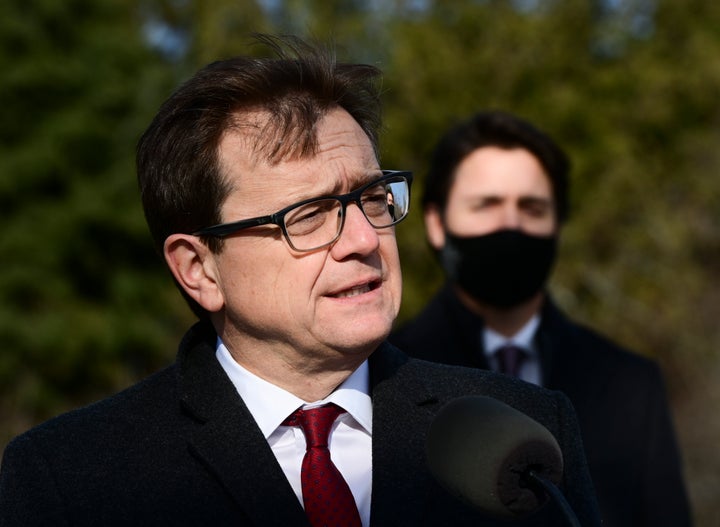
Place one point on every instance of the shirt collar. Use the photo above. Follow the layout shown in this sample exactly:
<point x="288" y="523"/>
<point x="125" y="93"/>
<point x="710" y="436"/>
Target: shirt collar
<point x="270" y="405"/>
<point x="522" y="339"/>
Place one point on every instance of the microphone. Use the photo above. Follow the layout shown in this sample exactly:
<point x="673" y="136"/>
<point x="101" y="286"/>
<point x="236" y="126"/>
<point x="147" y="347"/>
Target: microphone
<point x="495" y="458"/>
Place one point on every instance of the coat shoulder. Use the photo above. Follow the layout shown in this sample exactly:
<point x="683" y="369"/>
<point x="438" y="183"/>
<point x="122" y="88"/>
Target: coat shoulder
<point x="129" y="408"/>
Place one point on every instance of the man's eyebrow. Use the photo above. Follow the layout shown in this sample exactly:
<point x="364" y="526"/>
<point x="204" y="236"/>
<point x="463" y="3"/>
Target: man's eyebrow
<point x="482" y="198"/>
<point x="536" y="199"/>
<point x="338" y="187"/>
<point x="355" y="181"/>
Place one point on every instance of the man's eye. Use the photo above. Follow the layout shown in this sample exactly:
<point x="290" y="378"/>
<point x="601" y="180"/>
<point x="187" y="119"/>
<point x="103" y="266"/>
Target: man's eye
<point x="536" y="209"/>
<point x="376" y="204"/>
<point x="483" y="204"/>
<point x="308" y="218"/>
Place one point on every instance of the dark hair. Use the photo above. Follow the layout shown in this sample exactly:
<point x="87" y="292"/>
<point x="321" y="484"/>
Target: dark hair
<point x="503" y="130"/>
<point x="181" y="184"/>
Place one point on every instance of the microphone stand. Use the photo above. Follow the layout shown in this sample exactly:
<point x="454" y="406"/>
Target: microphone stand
<point x="538" y="482"/>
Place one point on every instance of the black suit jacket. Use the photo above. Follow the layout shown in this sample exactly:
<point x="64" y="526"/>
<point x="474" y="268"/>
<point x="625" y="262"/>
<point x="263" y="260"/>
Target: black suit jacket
<point x="181" y="448"/>
<point x="619" y="398"/>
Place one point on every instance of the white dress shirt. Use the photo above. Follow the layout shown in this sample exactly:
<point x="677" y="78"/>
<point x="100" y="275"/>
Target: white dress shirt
<point x="350" y="441"/>
<point x="524" y="339"/>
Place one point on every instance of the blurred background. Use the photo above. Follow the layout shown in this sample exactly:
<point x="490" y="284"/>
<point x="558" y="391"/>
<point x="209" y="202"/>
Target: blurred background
<point x="630" y="88"/>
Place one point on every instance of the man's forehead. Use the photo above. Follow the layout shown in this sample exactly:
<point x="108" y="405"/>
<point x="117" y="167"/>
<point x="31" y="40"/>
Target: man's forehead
<point x="480" y="185"/>
<point x="261" y="139"/>
<point x="499" y="170"/>
<point x="292" y="134"/>
<point x="292" y="179"/>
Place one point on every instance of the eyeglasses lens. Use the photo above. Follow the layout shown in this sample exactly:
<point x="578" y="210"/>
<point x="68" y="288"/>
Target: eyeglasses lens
<point x="319" y="222"/>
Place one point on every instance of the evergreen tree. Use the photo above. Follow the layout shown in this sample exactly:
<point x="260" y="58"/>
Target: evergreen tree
<point x="84" y="306"/>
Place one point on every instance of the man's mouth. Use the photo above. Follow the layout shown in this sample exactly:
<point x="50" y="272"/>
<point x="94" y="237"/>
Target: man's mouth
<point x="358" y="290"/>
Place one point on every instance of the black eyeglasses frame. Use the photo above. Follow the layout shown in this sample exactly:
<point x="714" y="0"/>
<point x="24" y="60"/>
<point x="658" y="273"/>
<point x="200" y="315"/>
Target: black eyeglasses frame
<point x="222" y="230"/>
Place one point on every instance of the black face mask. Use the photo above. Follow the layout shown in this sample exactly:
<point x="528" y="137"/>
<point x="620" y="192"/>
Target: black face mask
<point x="501" y="269"/>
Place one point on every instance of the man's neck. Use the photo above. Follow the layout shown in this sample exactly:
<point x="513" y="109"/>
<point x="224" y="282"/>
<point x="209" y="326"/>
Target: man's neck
<point x="311" y="376"/>
<point x="506" y="321"/>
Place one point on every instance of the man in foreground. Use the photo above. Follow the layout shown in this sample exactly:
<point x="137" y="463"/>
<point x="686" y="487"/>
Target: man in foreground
<point x="261" y="186"/>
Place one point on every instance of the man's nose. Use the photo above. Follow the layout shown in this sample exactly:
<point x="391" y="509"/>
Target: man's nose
<point x="510" y="216"/>
<point x="357" y="236"/>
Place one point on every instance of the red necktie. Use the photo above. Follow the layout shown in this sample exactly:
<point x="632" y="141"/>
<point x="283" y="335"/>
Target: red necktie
<point x="326" y="495"/>
<point x="510" y="358"/>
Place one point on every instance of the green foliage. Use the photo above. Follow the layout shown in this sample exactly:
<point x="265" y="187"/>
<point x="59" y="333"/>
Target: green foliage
<point x="81" y="289"/>
<point x="633" y="94"/>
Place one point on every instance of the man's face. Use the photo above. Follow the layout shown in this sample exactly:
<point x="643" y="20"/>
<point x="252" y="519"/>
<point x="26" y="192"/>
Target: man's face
<point x="340" y="300"/>
<point x="496" y="189"/>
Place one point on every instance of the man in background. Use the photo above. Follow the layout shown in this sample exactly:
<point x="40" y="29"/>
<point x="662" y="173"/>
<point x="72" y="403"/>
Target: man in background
<point x="495" y="199"/>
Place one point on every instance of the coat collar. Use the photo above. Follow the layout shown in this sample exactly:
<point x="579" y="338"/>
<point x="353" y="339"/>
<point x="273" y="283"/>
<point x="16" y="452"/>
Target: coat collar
<point x="402" y="410"/>
<point x="227" y="440"/>
<point x="230" y="444"/>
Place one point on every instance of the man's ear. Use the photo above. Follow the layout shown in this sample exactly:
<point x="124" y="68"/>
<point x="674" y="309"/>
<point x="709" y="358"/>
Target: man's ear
<point x="434" y="228"/>
<point x="193" y="266"/>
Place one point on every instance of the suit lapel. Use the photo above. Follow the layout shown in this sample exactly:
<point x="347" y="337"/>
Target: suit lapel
<point x="241" y="460"/>
<point x="228" y="441"/>
<point x="463" y="331"/>
<point x="560" y="353"/>
<point x="402" y="410"/>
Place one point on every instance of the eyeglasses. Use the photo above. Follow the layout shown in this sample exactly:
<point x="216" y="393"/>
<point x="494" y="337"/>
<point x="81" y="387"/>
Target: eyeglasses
<point x="317" y="222"/>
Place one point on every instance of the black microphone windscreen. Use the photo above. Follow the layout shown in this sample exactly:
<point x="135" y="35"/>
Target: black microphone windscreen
<point x="481" y="450"/>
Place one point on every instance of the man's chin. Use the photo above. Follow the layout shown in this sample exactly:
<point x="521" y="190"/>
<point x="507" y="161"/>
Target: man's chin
<point x="361" y="344"/>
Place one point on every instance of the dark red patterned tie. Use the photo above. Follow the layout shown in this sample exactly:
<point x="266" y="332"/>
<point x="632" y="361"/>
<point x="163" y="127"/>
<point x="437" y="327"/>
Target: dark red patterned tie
<point x="326" y="495"/>
<point x="510" y="358"/>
